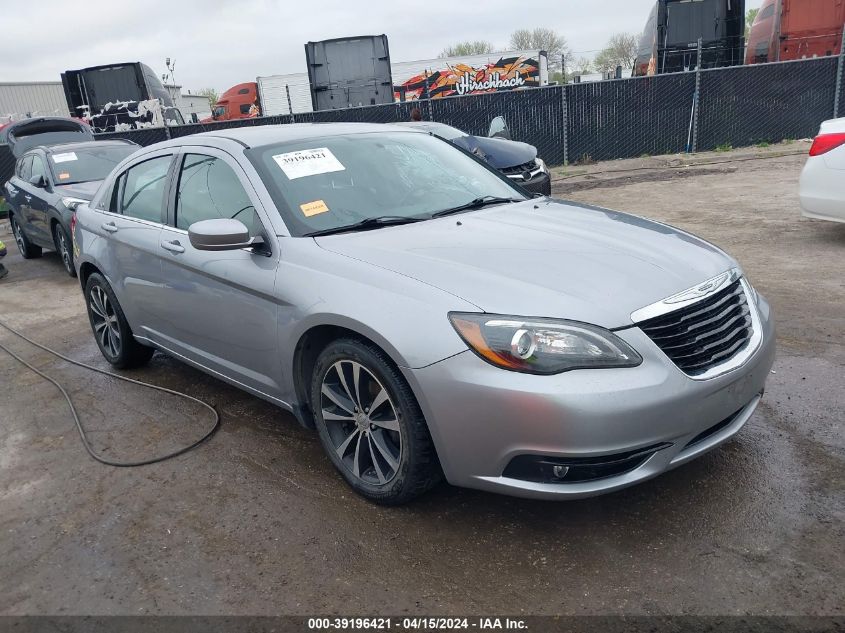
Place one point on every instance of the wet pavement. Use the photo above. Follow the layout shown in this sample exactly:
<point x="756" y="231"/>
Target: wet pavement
<point x="255" y="521"/>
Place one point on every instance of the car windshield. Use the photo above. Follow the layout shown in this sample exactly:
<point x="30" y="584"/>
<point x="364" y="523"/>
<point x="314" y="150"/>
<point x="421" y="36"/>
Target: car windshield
<point x="324" y="183"/>
<point x="439" y="129"/>
<point x="88" y="163"/>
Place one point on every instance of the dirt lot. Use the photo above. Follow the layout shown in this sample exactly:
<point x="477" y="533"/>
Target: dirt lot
<point x="256" y="522"/>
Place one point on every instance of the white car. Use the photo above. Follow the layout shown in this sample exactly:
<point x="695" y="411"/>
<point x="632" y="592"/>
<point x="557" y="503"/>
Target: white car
<point x="822" y="188"/>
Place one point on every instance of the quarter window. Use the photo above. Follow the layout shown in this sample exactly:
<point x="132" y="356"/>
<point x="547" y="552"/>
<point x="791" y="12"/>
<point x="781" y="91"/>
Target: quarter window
<point x="143" y="189"/>
<point x="209" y="189"/>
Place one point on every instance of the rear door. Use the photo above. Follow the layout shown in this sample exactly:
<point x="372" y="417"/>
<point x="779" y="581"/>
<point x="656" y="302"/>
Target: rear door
<point x="218" y="308"/>
<point x="131" y="225"/>
<point x="14" y="191"/>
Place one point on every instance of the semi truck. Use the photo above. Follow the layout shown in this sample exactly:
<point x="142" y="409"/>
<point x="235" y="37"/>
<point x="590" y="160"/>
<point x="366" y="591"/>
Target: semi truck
<point x="470" y="74"/>
<point x="796" y="29"/>
<point x="116" y="97"/>
<point x="669" y="42"/>
<point x="238" y="102"/>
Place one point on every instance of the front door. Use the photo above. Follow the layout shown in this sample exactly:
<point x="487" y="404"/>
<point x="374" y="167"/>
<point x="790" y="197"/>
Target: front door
<point x="218" y="309"/>
<point x="34" y="204"/>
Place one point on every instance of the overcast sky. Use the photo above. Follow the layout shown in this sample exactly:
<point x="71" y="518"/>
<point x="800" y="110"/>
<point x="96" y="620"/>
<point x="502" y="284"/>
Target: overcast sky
<point x="218" y="43"/>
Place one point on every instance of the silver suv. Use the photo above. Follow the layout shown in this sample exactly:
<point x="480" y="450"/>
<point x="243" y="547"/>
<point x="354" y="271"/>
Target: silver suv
<point x="425" y="314"/>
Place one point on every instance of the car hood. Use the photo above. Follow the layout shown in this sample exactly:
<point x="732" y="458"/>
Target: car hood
<point x="83" y="190"/>
<point x="500" y="153"/>
<point x="543" y="259"/>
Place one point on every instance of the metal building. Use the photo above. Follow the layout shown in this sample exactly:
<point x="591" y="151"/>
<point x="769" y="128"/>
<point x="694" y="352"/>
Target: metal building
<point x="20" y="100"/>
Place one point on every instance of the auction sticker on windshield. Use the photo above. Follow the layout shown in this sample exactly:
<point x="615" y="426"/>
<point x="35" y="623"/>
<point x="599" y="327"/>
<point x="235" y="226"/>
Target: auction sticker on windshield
<point x="64" y="158"/>
<point x="308" y="162"/>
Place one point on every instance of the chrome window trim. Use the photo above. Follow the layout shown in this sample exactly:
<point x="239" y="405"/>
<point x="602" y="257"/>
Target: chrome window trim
<point x="694" y="295"/>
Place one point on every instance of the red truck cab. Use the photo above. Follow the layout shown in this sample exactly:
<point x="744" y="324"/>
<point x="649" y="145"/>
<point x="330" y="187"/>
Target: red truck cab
<point x="796" y="29"/>
<point x="238" y="102"/>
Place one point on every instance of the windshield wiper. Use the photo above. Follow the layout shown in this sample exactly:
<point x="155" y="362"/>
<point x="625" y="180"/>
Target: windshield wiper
<point x="368" y="223"/>
<point x="478" y="203"/>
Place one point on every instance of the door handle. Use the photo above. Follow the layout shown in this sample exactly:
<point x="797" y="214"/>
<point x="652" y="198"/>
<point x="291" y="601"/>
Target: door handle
<point x="173" y="247"/>
<point x="28" y="198"/>
<point x="110" y="227"/>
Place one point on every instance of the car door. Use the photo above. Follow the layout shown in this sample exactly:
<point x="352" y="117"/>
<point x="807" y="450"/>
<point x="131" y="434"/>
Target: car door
<point x="131" y="222"/>
<point x="219" y="308"/>
<point x="36" y="204"/>
<point x="14" y="190"/>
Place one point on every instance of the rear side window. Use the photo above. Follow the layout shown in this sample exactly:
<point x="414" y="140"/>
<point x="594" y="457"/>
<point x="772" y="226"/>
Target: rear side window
<point x="209" y="189"/>
<point x="143" y="189"/>
<point x="25" y="167"/>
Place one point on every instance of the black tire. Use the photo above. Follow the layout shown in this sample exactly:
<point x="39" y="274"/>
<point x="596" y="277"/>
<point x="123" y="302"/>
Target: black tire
<point x="107" y="319"/>
<point x="417" y="469"/>
<point x="64" y="247"/>
<point x="28" y="249"/>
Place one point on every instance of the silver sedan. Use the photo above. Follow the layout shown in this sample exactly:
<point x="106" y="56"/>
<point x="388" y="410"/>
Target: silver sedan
<point x="426" y="315"/>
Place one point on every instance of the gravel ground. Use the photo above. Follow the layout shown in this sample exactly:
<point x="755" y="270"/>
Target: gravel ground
<point x="256" y="522"/>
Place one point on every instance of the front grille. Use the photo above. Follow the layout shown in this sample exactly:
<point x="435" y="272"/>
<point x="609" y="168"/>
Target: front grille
<point x="705" y="334"/>
<point x="518" y="170"/>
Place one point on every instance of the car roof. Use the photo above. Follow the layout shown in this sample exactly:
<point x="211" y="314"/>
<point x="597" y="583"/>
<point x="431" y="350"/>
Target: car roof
<point x="69" y="147"/>
<point x="261" y="135"/>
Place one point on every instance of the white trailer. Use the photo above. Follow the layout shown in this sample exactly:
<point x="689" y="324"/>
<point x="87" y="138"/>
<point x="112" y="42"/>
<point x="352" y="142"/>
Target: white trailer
<point x="273" y="94"/>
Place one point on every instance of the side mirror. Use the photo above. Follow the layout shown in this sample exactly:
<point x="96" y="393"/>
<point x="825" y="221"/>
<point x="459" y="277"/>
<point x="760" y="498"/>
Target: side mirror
<point x="38" y="181"/>
<point x="221" y="235"/>
<point x="499" y="129"/>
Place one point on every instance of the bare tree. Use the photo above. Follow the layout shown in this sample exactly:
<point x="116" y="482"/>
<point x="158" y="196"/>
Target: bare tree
<point x="478" y="47"/>
<point x="542" y="39"/>
<point x="211" y="93"/>
<point x="581" y="66"/>
<point x="621" y="50"/>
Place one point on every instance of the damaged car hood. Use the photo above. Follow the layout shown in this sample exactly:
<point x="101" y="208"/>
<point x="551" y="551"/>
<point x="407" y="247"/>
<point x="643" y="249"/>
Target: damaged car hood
<point x="543" y="259"/>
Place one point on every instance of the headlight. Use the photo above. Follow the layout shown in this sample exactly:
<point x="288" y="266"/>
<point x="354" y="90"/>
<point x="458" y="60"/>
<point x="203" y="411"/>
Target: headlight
<point x="542" y="165"/>
<point x="542" y="346"/>
<point x="72" y="203"/>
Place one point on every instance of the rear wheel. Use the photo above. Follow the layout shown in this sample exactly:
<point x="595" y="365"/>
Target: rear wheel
<point x="64" y="248"/>
<point x="371" y="425"/>
<point x="111" y="330"/>
<point x="28" y="249"/>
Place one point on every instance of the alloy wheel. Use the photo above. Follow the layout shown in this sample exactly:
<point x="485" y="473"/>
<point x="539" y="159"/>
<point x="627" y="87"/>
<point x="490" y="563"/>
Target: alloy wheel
<point x="362" y="422"/>
<point x="64" y="250"/>
<point x="16" y="231"/>
<point x="104" y="318"/>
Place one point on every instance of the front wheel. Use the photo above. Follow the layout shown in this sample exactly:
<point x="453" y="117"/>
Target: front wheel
<point x="111" y="330"/>
<point x="371" y="425"/>
<point x="64" y="248"/>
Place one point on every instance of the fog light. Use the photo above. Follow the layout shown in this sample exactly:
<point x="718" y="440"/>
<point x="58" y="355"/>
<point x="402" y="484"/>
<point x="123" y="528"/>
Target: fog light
<point x="560" y="471"/>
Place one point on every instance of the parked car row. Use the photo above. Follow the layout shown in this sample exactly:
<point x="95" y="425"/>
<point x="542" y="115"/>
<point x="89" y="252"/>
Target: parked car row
<point x="425" y="313"/>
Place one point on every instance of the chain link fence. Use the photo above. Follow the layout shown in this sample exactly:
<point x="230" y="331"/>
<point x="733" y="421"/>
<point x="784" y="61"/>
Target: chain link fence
<point x="623" y="118"/>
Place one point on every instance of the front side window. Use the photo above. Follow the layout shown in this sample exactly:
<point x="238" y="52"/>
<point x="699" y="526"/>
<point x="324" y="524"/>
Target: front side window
<point x="87" y="164"/>
<point x="37" y="168"/>
<point x="245" y="108"/>
<point x="208" y="190"/>
<point x="143" y="190"/>
<point x="329" y="182"/>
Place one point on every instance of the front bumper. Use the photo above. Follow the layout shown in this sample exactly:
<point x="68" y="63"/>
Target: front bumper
<point x="482" y="417"/>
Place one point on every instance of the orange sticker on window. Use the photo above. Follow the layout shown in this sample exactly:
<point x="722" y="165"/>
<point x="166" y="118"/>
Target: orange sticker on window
<point x="64" y="175"/>
<point x="313" y="208"/>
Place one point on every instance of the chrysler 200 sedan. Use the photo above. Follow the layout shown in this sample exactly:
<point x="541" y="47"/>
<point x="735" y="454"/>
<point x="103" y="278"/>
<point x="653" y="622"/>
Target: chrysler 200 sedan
<point x="425" y="316"/>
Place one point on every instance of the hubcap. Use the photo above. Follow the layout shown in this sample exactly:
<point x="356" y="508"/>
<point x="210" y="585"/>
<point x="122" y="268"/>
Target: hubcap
<point x="362" y="422"/>
<point x="16" y="230"/>
<point x="105" y="321"/>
